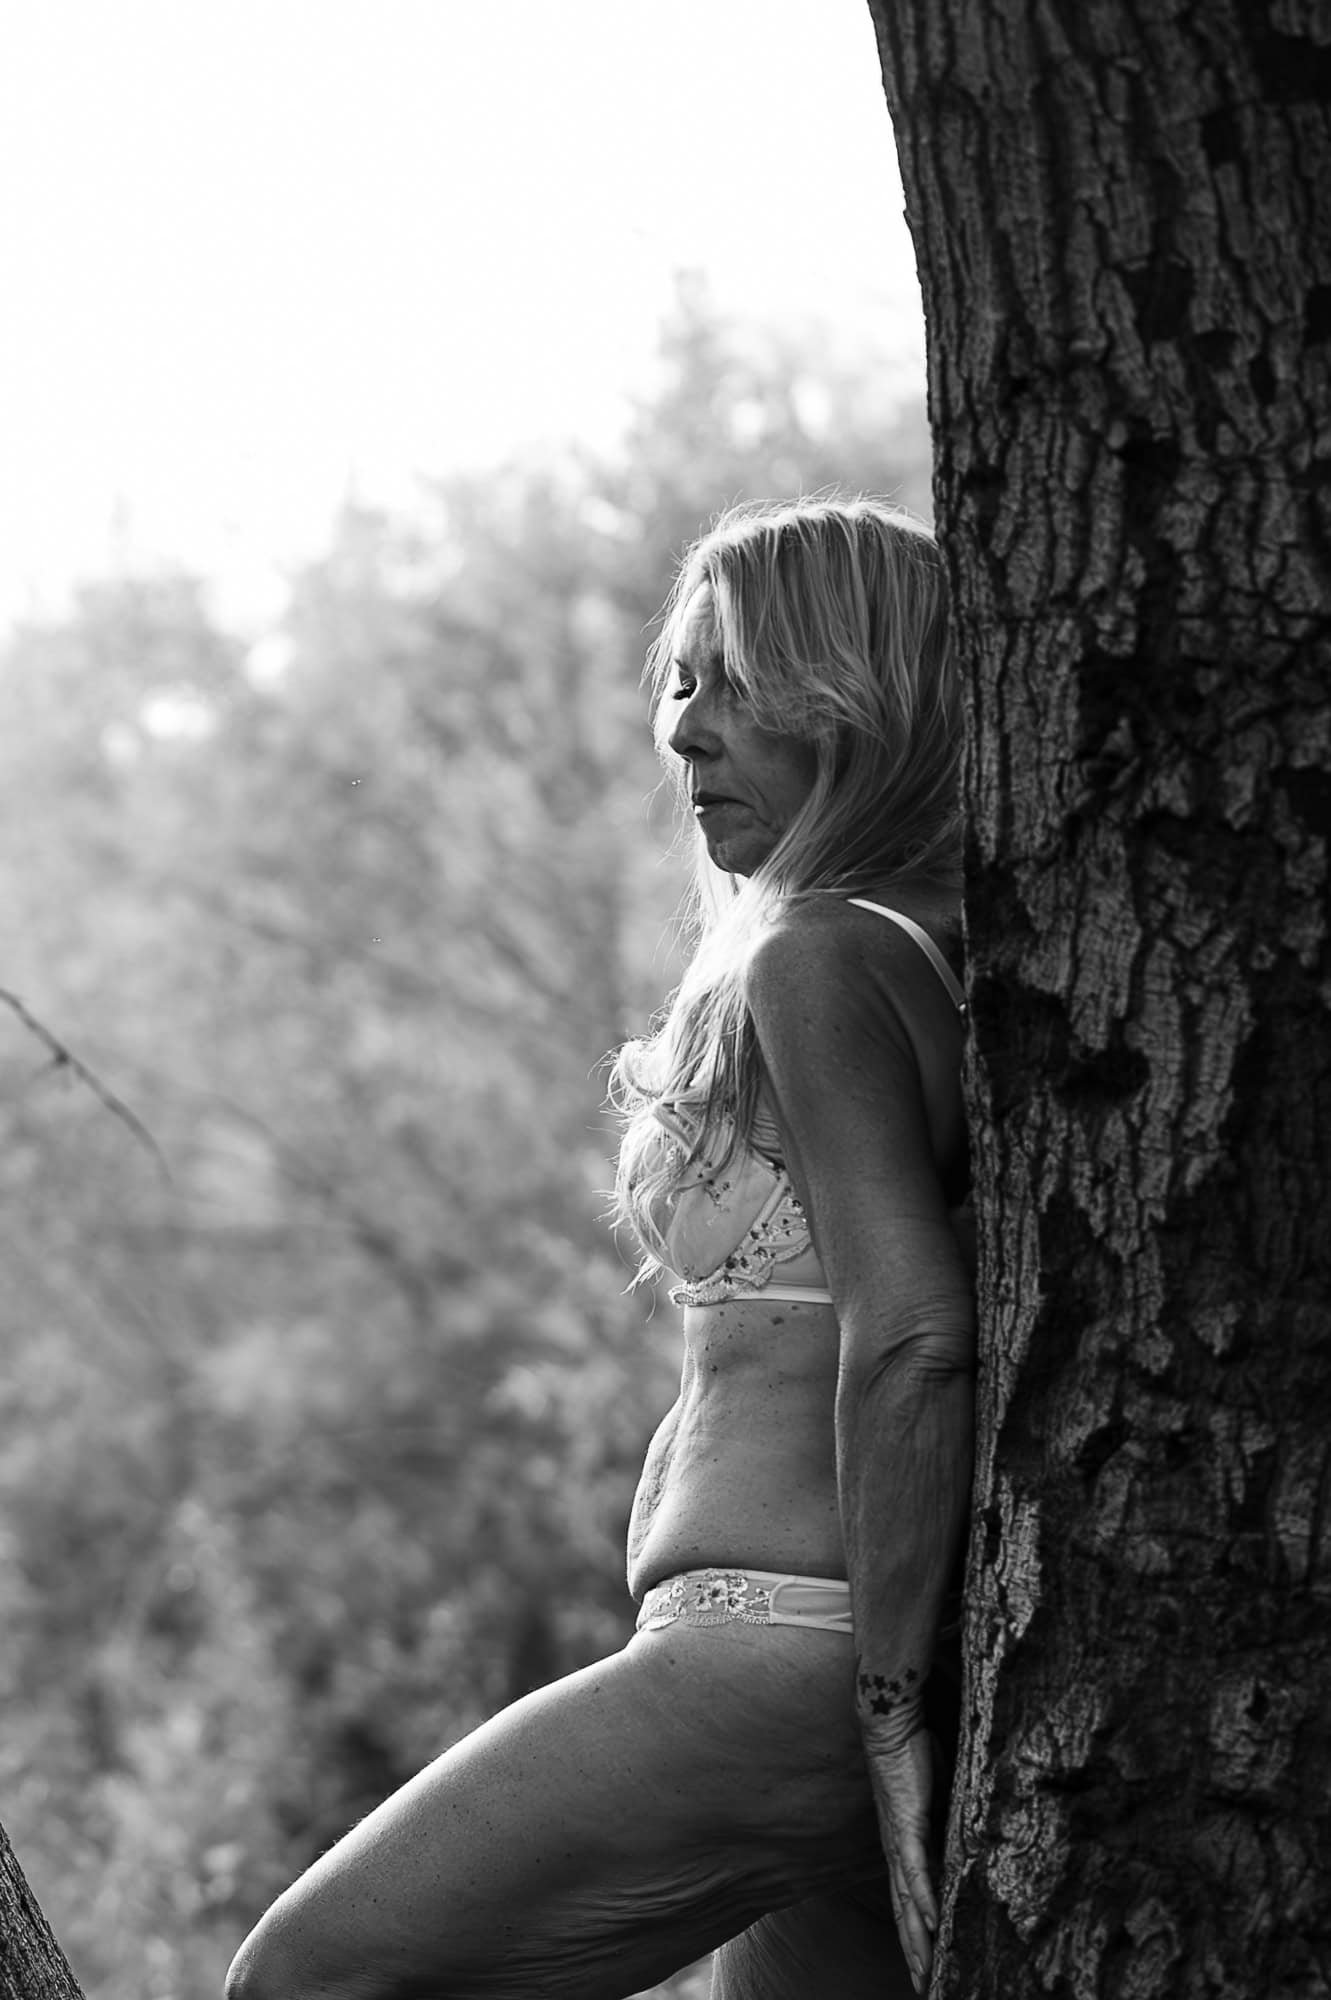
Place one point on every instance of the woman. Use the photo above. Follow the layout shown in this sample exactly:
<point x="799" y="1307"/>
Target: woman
<point x="794" y="1153"/>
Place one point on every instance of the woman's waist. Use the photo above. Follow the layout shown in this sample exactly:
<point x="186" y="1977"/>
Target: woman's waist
<point x="752" y="1412"/>
<point x="749" y="1508"/>
<point x="675" y="1548"/>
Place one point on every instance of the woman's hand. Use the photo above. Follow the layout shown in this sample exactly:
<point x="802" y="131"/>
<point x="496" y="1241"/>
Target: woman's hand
<point x="903" y="1783"/>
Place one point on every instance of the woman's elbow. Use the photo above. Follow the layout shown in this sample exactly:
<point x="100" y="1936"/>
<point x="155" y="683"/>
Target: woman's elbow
<point x="926" y="1356"/>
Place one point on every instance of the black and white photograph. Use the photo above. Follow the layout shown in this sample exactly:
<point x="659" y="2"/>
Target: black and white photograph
<point x="665" y="1000"/>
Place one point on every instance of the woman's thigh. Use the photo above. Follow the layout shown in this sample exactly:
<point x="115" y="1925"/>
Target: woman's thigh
<point x="843" y="1942"/>
<point x="594" y="1836"/>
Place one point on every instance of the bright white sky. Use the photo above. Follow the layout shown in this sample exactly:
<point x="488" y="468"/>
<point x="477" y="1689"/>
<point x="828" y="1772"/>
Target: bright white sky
<point x="255" y="252"/>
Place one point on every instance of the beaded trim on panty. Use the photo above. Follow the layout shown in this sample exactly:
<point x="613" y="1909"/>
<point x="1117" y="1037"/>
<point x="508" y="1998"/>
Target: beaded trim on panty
<point x="729" y="1596"/>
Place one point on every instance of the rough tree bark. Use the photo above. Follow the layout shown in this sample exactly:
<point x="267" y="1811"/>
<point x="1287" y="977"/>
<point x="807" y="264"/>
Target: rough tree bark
<point x="1122" y="214"/>
<point x="32" y="1965"/>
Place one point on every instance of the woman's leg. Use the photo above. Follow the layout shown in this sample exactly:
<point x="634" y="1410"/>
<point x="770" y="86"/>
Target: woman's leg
<point x="843" y="1943"/>
<point x="845" y="1940"/>
<point x="593" y="1837"/>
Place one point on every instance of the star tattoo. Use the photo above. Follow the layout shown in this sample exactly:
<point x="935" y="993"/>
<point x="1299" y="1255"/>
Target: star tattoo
<point x="881" y="1694"/>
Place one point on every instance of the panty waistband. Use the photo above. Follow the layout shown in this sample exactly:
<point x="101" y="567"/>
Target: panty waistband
<point x="747" y="1597"/>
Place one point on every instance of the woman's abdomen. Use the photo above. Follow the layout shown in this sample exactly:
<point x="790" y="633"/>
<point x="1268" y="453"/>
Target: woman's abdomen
<point x="742" y="1474"/>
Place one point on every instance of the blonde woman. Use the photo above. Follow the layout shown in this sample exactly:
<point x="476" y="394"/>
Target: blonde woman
<point x="753" y="1774"/>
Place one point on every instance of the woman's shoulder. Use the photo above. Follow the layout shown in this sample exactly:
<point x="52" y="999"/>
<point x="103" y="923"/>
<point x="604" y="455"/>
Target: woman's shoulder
<point x="838" y="995"/>
<point x="800" y="948"/>
<point x="832" y="937"/>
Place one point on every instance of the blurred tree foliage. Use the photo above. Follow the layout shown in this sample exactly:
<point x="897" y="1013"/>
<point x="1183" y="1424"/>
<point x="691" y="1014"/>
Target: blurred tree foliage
<point x="317" y="1442"/>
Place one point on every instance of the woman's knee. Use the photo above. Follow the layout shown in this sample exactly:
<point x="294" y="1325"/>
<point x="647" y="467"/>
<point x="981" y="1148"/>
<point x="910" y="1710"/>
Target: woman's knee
<point x="254" y="1975"/>
<point x="268" y="1968"/>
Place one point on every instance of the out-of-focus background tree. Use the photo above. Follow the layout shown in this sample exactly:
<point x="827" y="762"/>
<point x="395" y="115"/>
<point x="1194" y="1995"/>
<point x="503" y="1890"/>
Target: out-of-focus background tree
<point x="318" y="1432"/>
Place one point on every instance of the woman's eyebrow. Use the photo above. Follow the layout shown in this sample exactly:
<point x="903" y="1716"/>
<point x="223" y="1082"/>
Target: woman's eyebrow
<point x="713" y="657"/>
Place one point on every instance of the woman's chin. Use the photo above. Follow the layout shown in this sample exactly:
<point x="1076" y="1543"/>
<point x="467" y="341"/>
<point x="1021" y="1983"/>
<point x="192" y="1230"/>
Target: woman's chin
<point x="738" y="856"/>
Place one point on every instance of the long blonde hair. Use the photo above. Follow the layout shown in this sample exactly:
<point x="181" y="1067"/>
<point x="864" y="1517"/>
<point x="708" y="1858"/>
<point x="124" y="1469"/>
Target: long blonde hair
<point x="833" y="622"/>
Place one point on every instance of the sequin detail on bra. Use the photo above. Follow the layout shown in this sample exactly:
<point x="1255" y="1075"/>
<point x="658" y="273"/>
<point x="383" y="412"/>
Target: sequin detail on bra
<point x="779" y="1236"/>
<point x="732" y="1230"/>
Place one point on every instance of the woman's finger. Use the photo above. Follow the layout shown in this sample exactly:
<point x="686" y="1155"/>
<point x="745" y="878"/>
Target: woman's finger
<point x="912" y="1930"/>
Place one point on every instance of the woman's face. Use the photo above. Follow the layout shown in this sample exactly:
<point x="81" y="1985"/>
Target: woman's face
<point x="747" y="783"/>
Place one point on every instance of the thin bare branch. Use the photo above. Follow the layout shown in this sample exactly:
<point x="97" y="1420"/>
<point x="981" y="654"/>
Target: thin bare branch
<point x="63" y="1057"/>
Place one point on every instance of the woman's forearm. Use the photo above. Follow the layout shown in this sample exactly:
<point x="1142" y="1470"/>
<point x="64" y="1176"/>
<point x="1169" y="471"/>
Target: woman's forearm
<point x="904" y="1436"/>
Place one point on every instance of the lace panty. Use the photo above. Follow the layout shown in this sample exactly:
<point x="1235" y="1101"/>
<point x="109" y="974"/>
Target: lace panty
<point x="747" y="1597"/>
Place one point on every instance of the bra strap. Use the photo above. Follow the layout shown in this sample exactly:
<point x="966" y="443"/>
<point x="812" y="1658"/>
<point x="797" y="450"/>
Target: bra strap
<point x="926" y="944"/>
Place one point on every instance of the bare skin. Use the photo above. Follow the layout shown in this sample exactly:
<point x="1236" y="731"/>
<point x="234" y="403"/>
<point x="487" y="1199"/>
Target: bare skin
<point x="752" y="1427"/>
<point x="593" y="1837"/>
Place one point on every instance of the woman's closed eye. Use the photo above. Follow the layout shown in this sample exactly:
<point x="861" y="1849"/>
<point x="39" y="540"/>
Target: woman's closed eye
<point x="725" y="689"/>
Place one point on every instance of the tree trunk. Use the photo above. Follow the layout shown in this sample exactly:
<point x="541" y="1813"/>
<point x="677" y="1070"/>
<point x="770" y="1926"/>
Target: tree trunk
<point x="1122" y="215"/>
<point x="32" y="1965"/>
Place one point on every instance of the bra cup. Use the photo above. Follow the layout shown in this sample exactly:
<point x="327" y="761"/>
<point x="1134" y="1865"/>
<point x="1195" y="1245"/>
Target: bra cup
<point x="729" y="1230"/>
<point x="712" y="1212"/>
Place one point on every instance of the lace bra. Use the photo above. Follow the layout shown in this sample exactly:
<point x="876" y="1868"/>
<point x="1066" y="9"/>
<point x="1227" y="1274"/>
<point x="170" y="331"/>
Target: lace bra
<point x="711" y="1247"/>
<point x="740" y="1231"/>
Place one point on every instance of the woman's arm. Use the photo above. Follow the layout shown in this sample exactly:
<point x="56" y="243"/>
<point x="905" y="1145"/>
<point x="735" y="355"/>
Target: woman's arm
<point x="904" y="1449"/>
<point x="843" y="1018"/>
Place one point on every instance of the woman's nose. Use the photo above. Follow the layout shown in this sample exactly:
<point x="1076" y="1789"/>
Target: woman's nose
<point x="690" y="735"/>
